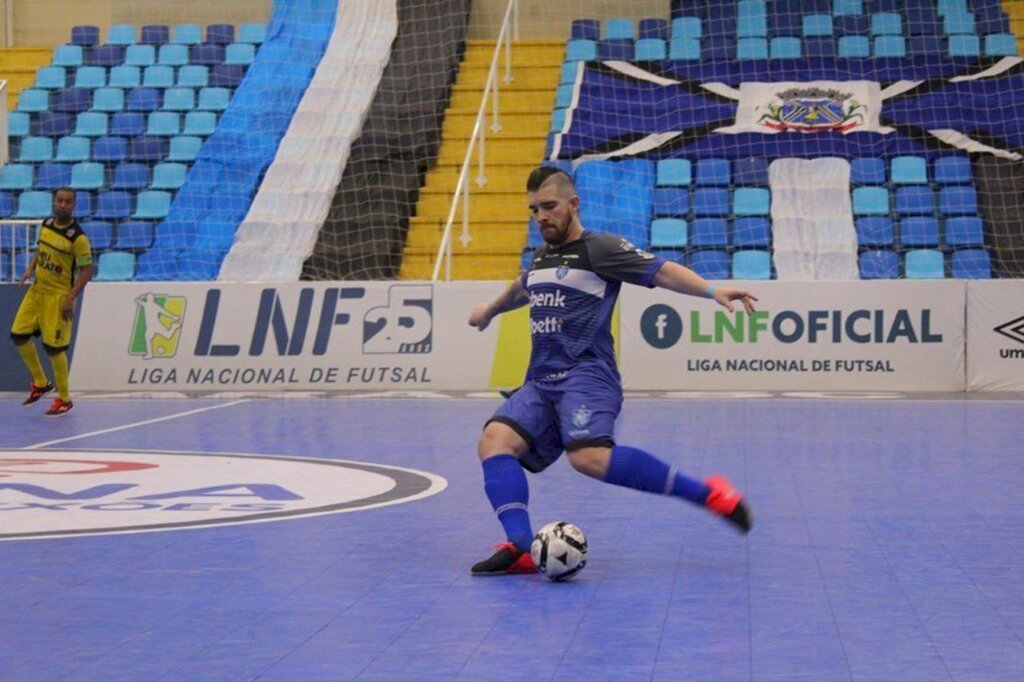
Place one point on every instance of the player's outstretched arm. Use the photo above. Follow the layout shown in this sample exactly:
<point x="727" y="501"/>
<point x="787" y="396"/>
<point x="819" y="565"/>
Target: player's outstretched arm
<point x="514" y="297"/>
<point x="675" y="277"/>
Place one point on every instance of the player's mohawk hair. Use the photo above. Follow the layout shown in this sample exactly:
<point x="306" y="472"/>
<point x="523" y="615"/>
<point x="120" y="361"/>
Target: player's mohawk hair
<point x="540" y="175"/>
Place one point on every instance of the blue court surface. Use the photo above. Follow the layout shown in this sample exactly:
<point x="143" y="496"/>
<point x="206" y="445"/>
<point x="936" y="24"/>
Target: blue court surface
<point x="888" y="544"/>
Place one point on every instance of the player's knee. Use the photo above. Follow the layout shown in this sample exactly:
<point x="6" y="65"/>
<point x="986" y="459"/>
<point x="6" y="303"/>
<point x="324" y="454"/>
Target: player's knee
<point x="499" y="439"/>
<point x="592" y="461"/>
<point x="54" y="350"/>
<point x="20" y="339"/>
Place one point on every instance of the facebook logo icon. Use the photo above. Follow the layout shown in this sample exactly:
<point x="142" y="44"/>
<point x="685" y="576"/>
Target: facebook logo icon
<point x="661" y="326"/>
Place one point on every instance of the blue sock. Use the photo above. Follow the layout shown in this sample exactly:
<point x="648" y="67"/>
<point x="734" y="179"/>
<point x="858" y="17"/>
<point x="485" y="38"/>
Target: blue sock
<point x="640" y="470"/>
<point x="506" y="488"/>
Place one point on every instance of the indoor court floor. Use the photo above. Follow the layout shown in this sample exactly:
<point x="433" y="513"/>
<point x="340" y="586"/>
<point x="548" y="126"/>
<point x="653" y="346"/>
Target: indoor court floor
<point x="330" y="538"/>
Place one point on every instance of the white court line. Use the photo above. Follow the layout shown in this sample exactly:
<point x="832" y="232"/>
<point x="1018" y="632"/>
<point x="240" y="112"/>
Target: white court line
<point x="131" y="426"/>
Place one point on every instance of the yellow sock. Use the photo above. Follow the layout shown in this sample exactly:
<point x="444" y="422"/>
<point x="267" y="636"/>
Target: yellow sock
<point x="30" y="357"/>
<point x="60" y="374"/>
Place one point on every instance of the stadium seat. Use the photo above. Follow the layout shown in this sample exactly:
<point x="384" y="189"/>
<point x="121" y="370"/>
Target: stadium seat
<point x="33" y="100"/>
<point x="87" y="175"/>
<point x="668" y="233"/>
<point x="173" y="54"/>
<point x="964" y="46"/>
<point x="958" y="200"/>
<point x="886" y="24"/>
<point x="100" y="234"/>
<point x="121" y="34"/>
<point x="752" y="48"/>
<point x="134" y="235"/>
<point x="618" y="28"/>
<point x="913" y="200"/>
<point x="34" y="205"/>
<point x="163" y="123"/>
<point x="753" y="233"/>
<point x="127" y="124"/>
<point x="708" y="232"/>
<point x="845" y="26"/>
<point x="924" y="264"/>
<point x="568" y="73"/>
<point x="557" y="118"/>
<point x="168" y="176"/>
<point x="751" y="264"/>
<point x="147" y="149"/>
<point x="908" y="170"/>
<point x="890" y="46"/>
<point x="143" y="100"/>
<point x="684" y="49"/>
<point x="227" y="75"/>
<point x="220" y="34"/>
<point x="971" y="264"/>
<point x="685" y="27"/>
<point x="51" y="78"/>
<point x="187" y="34"/>
<point x="73" y="149"/>
<point x="155" y="34"/>
<point x="68" y="55"/>
<point x="124" y="77"/>
<point x="71" y="100"/>
<point x="585" y="29"/>
<point x="750" y="172"/>
<point x="752" y="26"/>
<point x="85" y="36"/>
<point x="867" y="171"/>
<point x="213" y="99"/>
<point x="158" y="76"/>
<point x="113" y="205"/>
<point x="671" y="202"/>
<point x="140" y="55"/>
<point x="712" y="265"/>
<point x="109" y="149"/>
<point x="958" y="24"/>
<point x="184" y="148"/>
<point x="252" y="33"/>
<point x="115" y="266"/>
<point x="875" y="231"/>
<point x="751" y="201"/>
<point x="785" y="47"/>
<point x="919" y="233"/>
<point x="653" y="29"/>
<point x="105" y="55"/>
<point x="673" y="173"/>
<point x="879" y="264"/>
<point x="153" y="205"/>
<point x="711" y="202"/>
<point x="130" y="175"/>
<point x="6" y="204"/>
<point x="952" y="170"/>
<point x="18" y="123"/>
<point x="817" y="25"/>
<point x="713" y="173"/>
<point x="964" y="231"/>
<point x="207" y="54"/>
<point x="844" y="7"/>
<point x="244" y="53"/>
<point x="17" y="176"/>
<point x="870" y="201"/>
<point x="647" y="49"/>
<point x="200" y="123"/>
<point x="108" y="100"/>
<point x="36" y="150"/>
<point x="1000" y="45"/>
<point x="581" y="50"/>
<point x="53" y="124"/>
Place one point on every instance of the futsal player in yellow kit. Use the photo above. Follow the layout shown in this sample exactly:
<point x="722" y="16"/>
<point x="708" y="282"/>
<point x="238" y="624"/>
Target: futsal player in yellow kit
<point x="62" y="266"/>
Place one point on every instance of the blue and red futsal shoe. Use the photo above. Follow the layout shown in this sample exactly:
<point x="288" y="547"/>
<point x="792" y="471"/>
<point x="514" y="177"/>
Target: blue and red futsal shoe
<point x="726" y="501"/>
<point x="507" y="560"/>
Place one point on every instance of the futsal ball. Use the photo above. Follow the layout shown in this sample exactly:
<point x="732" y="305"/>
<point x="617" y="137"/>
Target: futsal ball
<point x="559" y="550"/>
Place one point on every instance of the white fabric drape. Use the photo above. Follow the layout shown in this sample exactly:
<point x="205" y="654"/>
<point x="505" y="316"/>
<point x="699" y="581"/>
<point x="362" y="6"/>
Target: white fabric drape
<point x="281" y="228"/>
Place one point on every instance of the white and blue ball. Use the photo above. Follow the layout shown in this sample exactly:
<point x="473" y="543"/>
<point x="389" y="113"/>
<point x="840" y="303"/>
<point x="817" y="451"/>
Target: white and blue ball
<point x="559" y="550"/>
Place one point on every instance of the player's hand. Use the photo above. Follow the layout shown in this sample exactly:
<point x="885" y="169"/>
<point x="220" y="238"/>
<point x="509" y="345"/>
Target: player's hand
<point x="724" y="296"/>
<point x="480" y="317"/>
<point x="24" y="279"/>
<point x="67" y="307"/>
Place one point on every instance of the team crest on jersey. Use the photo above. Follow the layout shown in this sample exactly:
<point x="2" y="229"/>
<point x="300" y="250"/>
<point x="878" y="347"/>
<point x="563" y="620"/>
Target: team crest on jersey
<point x="71" y="232"/>
<point x="581" y="417"/>
<point x="562" y="271"/>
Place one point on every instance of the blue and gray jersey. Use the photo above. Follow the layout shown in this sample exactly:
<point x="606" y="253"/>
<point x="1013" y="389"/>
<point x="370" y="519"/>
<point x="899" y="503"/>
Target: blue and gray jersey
<point x="572" y="290"/>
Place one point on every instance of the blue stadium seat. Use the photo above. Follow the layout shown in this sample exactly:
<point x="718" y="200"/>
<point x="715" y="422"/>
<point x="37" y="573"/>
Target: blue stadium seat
<point x="83" y="206"/>
<point x="184" y="148"/>
<point x="964" y="231"/>
<point x="686" y="27"/>
<point x="817" y="25"/>
<point x="843" y="7"/>
<point x="213" y="99"/>
<point x="684" y="49"/>
<point x="147" y="149"/>
<point x="17" y="176"/>
<point x="713" y="172"/>
<point x="68" y="55"/>
<point x="33" y="100"/>
<point x="252" y="33"/>
<point x="908" y="170"/>
<point x="34" y="205"/>
<point x="143" y="100"/>
<point x="618" y="28"/>
<point x="867" y="171"/>
<point x="88" y="175"/>
<point x="207" y="54"/>
<point x="952" y="170"/>
<point x="616" y="50"/>
<point x="964" y="46"/>
<point x="914" y="200"/>
<point x="187" y="34"/>
<point x="654" y="29"/>
<point x="227" y="75"/>
<point x="751" y="264"/>
<point x="751" y="8"/>
<point x="108" y="100"/>
<point x="709" y="232"/>
<point x="169" y="176"/>
<point x="971" y="264"/>
<point x="751" y="201"/>
<point x="153" y="205"/>
<point x="755" y="233"/>
<point x="919" y="232"/>
<point x="220" y="34"/>
<point x="173" y="54"/>
<point x="73" y="149"/>
<point x="127" y="124"/>
<point x="581" y="50"/>
<point x="890" y="46"/>
<point x="750" y="171"/>
<point x="109" y="149"/>
<point x="51" y="78"/>
<point x="113" y="205"/>
<point x="647" y="49"/>
<point x="134" y="235"/>
<point x="958" y="200"/>
<point x="886" y="24"/>
<point x="754" y="26"/>
<point x="85" y="36"/>
<point x="244" y="53"/>
<point x="53" y="124"/>
<point x="875" y="231"/>
<point x="851" y="25"/>
<point x="1000" y="45"/>
<point x="121" y="34"/>
<point x="880" y="264"/>
<point x="100" y="233"/>
<point x="124" y="77"/>
<point x="115" y="266"/>
<point x="711" y="264"/>
<point x="158" y="76"/>
<point x="71" y="100"/>
<point x="668" y="233"/>
<point x="18" y="123"/>
<point x="870" y="201"/>
<point x="671" y="202"/>
<point x="130" y="175"/>
<point x="617" y="197"/>
<point x="557" y="118"/>
<point x="752" y="48"/>
<point x="105" y="55"/>
<point x="711" y="202"/>
<point x="568" y="73"/>
<point x="200" y="123"/>
<point x="958" y="24"/>
<point x="785" y="47"/>
<point x="924" y="264"/>
<point x="155" y="34"/>
<point x="140" y="56"/>
<point x="673" y="173"/>
<point x="926" y="46"/>
<point x="585" y="29"/>
<point x="36" y="150"/>
<point x="179" y="99"/>
<point x="163" y="123"/>
<point x="6" y="204"/>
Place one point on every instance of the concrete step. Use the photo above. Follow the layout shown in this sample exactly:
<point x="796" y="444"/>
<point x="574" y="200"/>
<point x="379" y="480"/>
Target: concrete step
<point x="533" y="77"/>
<point x="537" y="101"/>
<point x="512" y="124"/>
<point x="482" y="206"/>
<point x="464" y="267"/>
<point x="496" y="152"/>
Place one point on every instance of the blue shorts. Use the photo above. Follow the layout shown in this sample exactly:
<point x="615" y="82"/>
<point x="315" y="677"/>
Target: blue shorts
<point x="553" y="416"/>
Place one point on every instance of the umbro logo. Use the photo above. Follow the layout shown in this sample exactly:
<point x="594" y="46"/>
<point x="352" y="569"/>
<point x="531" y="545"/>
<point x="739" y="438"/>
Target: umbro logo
<point x="1014" y="329"/>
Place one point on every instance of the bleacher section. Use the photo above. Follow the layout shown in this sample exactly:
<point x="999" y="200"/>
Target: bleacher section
<point x="121" y="122"/>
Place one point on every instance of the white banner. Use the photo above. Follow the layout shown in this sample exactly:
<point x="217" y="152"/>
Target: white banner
<point x="836" y="336"/>
<point x="995" y="335"/>
<point x="836" y="106"/>
<point x="192" y="336"/>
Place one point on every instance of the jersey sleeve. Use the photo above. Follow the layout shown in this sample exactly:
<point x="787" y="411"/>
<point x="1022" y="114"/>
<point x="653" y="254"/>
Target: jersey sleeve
<point x="616" y="258"/>
<point x="82" y="251"/>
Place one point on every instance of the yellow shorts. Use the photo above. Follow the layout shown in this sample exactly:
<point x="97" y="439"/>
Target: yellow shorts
<point x="39" y="314"/>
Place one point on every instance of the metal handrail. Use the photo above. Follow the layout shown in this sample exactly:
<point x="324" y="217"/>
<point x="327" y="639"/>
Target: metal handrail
<point x="509" y="32"/>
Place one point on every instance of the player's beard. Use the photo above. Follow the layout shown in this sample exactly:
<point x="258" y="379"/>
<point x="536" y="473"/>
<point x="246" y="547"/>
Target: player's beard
<point x="562" y="232"/>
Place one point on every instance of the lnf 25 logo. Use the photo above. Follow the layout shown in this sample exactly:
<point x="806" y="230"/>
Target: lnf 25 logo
<point x="403" y="325"/>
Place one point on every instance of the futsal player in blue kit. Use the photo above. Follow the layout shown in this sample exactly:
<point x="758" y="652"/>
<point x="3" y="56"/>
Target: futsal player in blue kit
<point x="572" y="393"/>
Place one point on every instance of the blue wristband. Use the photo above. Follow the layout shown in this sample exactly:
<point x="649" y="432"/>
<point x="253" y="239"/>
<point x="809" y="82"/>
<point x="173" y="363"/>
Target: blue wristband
<point x="710" y="291"/>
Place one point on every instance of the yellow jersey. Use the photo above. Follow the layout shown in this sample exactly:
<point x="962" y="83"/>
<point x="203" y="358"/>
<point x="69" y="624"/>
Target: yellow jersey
<point x="61" y="251"/>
